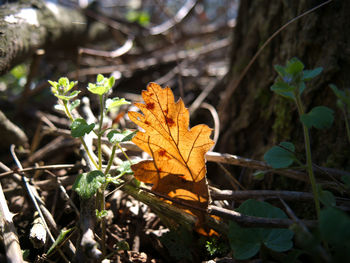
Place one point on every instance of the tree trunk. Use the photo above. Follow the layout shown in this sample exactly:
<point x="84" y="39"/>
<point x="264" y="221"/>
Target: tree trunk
<point x="29" y="25"/>
<point x="253" y="117"/>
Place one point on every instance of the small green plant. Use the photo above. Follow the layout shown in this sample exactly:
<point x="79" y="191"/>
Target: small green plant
<point x="291" y="85"/>
<point x="246" y="242"/>
<point x="95" y="181"/>
<point x="343" y="102"/>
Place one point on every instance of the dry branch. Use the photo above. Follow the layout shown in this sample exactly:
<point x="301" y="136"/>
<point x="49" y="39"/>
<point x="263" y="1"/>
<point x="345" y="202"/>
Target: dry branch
<point x="30" y="25"/>
<point x="8" y="231"/>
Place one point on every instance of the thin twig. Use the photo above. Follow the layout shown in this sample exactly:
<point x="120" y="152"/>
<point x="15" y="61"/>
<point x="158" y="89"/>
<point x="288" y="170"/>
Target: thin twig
<point x="37" y="168"/>
<point x="256" y="194"/>
<point x="33" y="197"/>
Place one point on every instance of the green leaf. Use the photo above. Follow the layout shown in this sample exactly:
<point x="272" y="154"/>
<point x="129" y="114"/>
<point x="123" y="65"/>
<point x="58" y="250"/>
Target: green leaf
<point x="346" y="180"/>
<point x="87" y="184"/>
<point x="125" y="168"/>
<point x="53" y="83"/>
<point x="60" y="239"/>
<point x="111" y="82"/>
<point x="101" y="214"/>
<point x="102" y="86"/>
<point x="115" y="102"/>
<point x="79" y="127"/>
<point x="259" y="175"/>
<point x="71" y="85"/>
<point x="74" y="104"/>
<point x="320" y="117"/>
<point x="341" y="95"/>
<point x="59" y="107"/>
<point x="63" y="82"/>
<point x="68" y="97"/>
<point x="280" y="70"/>
<point x="294" y="66"/>
<point x="179" y="243"/>
<point x="246" y="242"/>
<point x="281" y="86"/>
<point x="280" y="156"/>
<point x="334" y="226"/>
<point x="326" y="197"/>
<point x="284" y="89"/>
<point x="115" y="136"/>
<point x="310" y="74"/>
<point x="100" y="78"/>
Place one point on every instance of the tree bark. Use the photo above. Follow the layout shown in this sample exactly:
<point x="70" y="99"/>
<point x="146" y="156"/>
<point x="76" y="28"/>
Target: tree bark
<point x="252" y="117"/>
<point x="29" y="25"/>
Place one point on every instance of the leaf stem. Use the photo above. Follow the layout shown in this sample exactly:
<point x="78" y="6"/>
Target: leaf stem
<point x="88" y="152"/>
<point x="65" y="103"/>
<point x="99" y="135"/>
<point x="126" y="156"/>
<point x="308" y="154"/>
<point x="110" y="162"/>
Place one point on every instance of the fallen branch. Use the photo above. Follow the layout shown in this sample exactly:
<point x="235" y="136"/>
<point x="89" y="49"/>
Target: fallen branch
<point x="8" y="232"/>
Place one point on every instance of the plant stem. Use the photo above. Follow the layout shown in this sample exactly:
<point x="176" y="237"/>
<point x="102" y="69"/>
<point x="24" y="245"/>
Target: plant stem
<point x="126" y="156"/>
<point x="65" y="103"/>
<point x="110" y="162"/>
<point x="100" y="199"/>
<point x="88" y="152"/>
<point x="308" y="155"/>
<point x="346" y="124"/>
<point x="99" y="135"/>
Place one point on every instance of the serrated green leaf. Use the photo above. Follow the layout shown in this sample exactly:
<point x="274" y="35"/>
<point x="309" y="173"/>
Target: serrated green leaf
<point x="115" y="136"/>
<point x="64" y="82"/>
<point x="79" y="127"/>
<point x="246" y="242"/>
<point x="115" y="102"/>
<point x="87" y="184"/>
<point x="280" y="156"/>
<point x="74" y="104"/>
<point x="97" y="89"/>
<point x="319" y="117"/>
<point x="310" y="74"/>
<point x="61" y="237"/>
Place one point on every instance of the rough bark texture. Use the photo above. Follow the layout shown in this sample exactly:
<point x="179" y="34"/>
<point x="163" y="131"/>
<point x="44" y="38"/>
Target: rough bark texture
<point x="254" y="118"/>
<point x="29" y="25"/>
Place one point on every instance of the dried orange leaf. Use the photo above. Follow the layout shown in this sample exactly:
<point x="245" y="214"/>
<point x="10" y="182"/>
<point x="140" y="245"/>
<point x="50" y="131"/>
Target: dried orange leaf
<point x="177" y="168"/>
